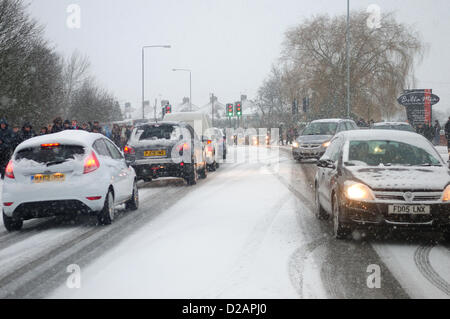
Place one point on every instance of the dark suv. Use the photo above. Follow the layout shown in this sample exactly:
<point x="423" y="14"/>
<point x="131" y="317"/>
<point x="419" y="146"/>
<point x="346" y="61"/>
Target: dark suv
<point x="168" y="149"/>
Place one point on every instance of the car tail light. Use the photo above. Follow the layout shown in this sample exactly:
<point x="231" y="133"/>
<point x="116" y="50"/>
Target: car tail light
<point x="9" y="171"/>
<point x="50" y="145"/>
<point x="94" y="198"/>
<point x="184" y="147"/>
<point x="8" y="204"/>
<point x="91" y="163"/>
<point x="129" y="150"/>
<point x="209" y="142"/>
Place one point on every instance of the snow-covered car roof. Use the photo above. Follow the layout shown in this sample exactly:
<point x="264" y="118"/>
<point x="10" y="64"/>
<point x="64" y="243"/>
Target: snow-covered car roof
<point x="328" y="121"/>
<point x="76" y="137"/>
<point x="401" y="136"/>
<point x="391" y="123"/>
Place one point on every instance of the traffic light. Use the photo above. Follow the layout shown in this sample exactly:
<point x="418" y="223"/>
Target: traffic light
<point x="168" y="109"/>
<point x="238" y="106"/>
<point x="230" y="110"/>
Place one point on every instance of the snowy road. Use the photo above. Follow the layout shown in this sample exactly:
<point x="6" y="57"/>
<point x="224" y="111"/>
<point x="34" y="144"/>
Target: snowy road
<point x="248" y="231"/>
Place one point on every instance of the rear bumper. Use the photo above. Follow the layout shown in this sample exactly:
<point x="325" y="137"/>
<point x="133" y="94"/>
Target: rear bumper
<point x="161" y="169"/>
<point x="375" y="215"/>
<point x="27" y="195"/>
<point x="32" y="210"/>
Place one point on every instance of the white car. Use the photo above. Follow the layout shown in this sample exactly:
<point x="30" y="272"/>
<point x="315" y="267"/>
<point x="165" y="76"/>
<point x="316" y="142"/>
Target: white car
<point x="67" y="172"/>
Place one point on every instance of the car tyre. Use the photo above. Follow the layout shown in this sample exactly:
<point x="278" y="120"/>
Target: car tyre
<point x="320" y="213"/>
<point x="193" y="176"/>
<point x="12" y="224"/>
<point x="107" y="214"/>
<point x="339" y="230"/>
<point x="204" y="172"/>
<point x="133" y="203"/>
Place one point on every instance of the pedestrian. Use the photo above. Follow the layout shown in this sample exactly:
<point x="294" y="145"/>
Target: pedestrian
<point x="27" y="132"/>
<point x="75" y="125"/>
<point x="57" y="125"/>
<point x="5" y="155"/>
<point x="5" y="131"/>
<point x="85" y="127"/>
<point x="447" y="132"/>
<point x="66" y="125"/>
<point x="43" y="131"/>
<point x="96" y="128"/>
<point x="115" y="135"/>
<point x="16" y="137"/>
<point x="437" y="133"/>
<point x="49" y="128"/>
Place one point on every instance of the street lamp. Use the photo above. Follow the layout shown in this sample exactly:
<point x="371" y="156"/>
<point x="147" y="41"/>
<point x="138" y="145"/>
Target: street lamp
<point x="143" y="72"/>
<point x="190" y="85"/>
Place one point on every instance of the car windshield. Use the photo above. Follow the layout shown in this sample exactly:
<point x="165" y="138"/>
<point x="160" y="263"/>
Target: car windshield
<point x="326" y="128"/>
<point x="158" y="132"/>
<point x="50" y="155"/>
<point x="400" y="127"/>
<point x="388" y="153"/>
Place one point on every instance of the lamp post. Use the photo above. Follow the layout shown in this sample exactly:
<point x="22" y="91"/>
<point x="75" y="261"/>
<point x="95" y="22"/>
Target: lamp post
<point x="190" y="85"/>
<point x="143" y="71"/>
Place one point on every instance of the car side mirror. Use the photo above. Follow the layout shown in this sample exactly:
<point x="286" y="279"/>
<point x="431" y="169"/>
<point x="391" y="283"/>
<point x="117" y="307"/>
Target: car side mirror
<point x="327" y="163"/>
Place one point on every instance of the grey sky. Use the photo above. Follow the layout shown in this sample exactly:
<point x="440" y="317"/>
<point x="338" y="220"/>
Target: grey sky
<point x="229" y="44"/>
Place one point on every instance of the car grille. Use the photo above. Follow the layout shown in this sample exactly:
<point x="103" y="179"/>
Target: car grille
<point x="410" y="197"/>
<point x="310" y="145"/>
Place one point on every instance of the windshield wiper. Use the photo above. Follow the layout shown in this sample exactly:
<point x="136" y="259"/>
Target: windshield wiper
<point x="55" y="163"/>
<point x="429" y="165"/>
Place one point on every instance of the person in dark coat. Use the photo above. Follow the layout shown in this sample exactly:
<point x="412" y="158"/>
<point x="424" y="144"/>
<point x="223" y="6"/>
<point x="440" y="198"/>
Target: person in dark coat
<point x="85" y="127"/>
<point x="67" y="125"/>
<point x="27" y="132"/>
<point x="5" y="154"/>
<point x="16" y="137"/>
<point x="74" y="125"/>
<point x="437" y="133"/>
<point x="43" y="131"/>
<point x="5" y="132"/>
<point x="447" y="132"/>
<point x="57" y="125"/>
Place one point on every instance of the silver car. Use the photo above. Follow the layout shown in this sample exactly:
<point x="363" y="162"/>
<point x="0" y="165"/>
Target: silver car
<point x="316" y="137"/>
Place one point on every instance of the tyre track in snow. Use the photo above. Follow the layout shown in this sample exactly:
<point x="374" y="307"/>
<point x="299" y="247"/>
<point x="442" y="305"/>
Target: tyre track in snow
<point x="40" y="276"/>
<point x="343" y="268"/>
<point x="422" y="261"/>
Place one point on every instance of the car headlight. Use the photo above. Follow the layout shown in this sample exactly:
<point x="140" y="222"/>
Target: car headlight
<point x="446" y="197"/>
<point x="326" y="144"/>
<point x="295" y="145"/>
<point x="358" y="191"/>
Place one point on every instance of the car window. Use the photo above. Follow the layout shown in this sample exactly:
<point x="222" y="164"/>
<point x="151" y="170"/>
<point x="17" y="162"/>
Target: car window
<point x="389" y="153"/>
<point x="50" y="154"/>
<point x="321" y="128"/>
<point x="334" y="149"/>
<point x="100" y="147"/>
<point x="115" y="154"/>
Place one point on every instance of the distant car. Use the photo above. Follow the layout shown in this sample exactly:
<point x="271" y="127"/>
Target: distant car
<point x="201" y="123"/>
<point x="375" y="179"/>
<point x="315" y="138"/>
<point x="166" y="149"/>
<point x="221" y="141"/>
<point x="67" y="172"/>
<point x="400" y="126"/>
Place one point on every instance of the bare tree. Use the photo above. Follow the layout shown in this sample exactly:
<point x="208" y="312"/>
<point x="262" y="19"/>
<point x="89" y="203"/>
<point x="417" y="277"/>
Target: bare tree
<point x="314" y="59"/>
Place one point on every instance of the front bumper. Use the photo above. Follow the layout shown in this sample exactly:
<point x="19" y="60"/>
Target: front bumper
<point x="308" y="153"/>
<point x="376" y="215"/>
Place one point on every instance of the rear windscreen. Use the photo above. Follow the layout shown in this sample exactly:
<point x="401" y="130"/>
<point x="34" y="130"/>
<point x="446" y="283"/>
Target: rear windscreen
<point x="48" y="155"/>
<point x="159" y="132"/>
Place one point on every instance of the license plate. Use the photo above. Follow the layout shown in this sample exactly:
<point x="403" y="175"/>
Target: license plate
<point x="154" y="153"/>
<point x="45" y="178"/>
<point x="409" y="210"/>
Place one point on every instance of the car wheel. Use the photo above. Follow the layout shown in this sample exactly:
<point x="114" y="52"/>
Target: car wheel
<point x="12" y="224"/>
<point x="147" y="179"/>
<point x="217" y="165"/>
<point x="133" y="203"/>
<point x="320" y="213"/>
<point x="204" y="172"/>
<point x="339" y="230"/>
<point x="193" y="176"/>
<point x="107" y="214"/>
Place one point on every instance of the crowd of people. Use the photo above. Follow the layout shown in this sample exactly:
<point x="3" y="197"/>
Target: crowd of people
<point x="11" y="137"/>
